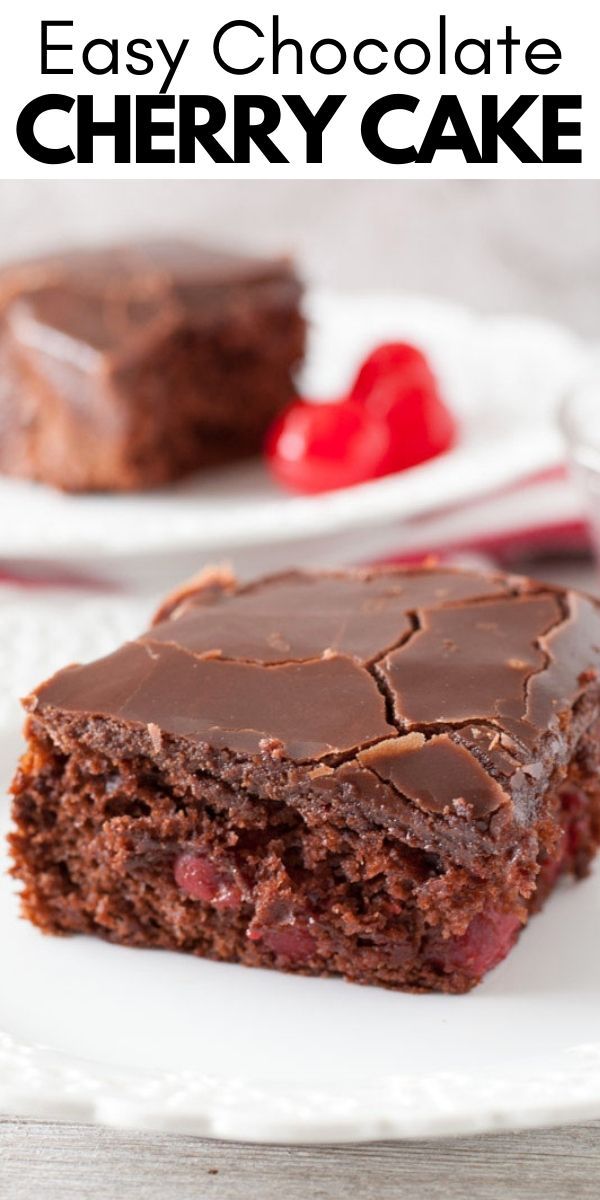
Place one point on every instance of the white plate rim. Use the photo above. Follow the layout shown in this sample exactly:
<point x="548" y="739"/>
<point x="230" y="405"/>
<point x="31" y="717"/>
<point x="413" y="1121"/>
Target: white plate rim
<point x="41" y="1082"/>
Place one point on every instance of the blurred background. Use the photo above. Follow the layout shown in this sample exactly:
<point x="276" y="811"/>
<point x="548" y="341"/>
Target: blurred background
<point x="500" y="247"/>
<point x="511" y="249"/>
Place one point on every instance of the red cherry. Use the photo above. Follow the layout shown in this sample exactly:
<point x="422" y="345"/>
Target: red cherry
<point x="485" y="943"/>
<point x="396" y="385"/>
<point x="289" y="941"/>
<point x="393" y="358"/>
<point x="201" y="879"/>
<point x="319" y="447"/>
<point x="420" y="425"/>
<point x="393" y="418"/>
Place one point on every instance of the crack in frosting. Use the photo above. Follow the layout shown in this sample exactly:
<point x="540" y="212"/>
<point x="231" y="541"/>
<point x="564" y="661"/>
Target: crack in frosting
<point x="298" y="616"/>
<point x="233" y="705"/>
<point x="441" y="684"/>
<point x="436" y="773"/>
<point x="472" y="663"/>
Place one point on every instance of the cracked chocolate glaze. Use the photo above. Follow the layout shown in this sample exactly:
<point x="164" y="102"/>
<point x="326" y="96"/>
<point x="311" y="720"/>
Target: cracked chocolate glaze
<point x="516" y="662"/>
<point x="438" y="774"/>
<point x="471" y="663"/>
<point x="434" y="686"/>
<point x="313" y="708"/>
<point x="296" y="616"/>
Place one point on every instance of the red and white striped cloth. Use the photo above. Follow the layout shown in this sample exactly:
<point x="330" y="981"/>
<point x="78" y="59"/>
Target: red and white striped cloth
<point x="539" y="517"/>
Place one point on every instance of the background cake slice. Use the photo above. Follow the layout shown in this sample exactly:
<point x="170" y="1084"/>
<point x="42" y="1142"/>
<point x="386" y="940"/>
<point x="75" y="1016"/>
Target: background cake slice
<point x="378" y="774"/>
<point x="127" y="367"/>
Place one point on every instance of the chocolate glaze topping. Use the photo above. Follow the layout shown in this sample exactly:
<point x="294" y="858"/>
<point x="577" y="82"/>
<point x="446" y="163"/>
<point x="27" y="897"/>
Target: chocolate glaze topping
<point x="298" y="616"/>
<point x="471" y="663"/>
<point x="314" y="708"/>
<point x="89" y="304"/>
<point x="443" y="686"/>
<point x="438" y="774"/>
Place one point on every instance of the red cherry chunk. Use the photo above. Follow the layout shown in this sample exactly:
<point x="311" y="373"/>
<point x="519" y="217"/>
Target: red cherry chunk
<point x="485" y="943"/>
<point x="204" y="880"/>
<point x="320" y="447"/>
<point x="572" y="801"/>
<point x="289" y="941"/>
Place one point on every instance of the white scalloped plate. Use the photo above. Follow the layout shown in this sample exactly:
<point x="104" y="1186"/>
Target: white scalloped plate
<point x="93" y="1032"/>
<point x="504" y="377"/>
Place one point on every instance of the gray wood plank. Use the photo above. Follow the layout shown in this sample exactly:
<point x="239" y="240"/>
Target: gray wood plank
<point x="40" y="1161"/>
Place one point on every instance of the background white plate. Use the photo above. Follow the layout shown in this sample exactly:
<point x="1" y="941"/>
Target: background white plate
<point x="503" y="376"/>
<point x="94" y="1032"/>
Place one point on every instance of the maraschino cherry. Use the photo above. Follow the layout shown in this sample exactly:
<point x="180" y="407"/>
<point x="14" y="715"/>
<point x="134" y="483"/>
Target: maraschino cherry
<point x="392" y="419"/>
<point x="319" y="447"/>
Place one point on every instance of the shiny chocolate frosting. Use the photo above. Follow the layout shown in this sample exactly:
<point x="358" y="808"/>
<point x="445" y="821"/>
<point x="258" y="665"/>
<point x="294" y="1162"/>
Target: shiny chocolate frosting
<point x="447" y="685"/>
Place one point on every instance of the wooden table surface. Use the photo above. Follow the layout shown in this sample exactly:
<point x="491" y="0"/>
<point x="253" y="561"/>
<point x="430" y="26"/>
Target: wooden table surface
<point x="41" y="1161"/>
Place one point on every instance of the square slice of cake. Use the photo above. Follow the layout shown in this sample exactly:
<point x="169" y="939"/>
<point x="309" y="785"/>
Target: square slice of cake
<point x="129" y="367"/>
<point x="379" y="775"/>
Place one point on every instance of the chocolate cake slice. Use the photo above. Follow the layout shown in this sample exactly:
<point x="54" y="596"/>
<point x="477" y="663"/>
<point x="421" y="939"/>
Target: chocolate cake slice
<point x="379" y="775"/>
<point x="125" y="368"/>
